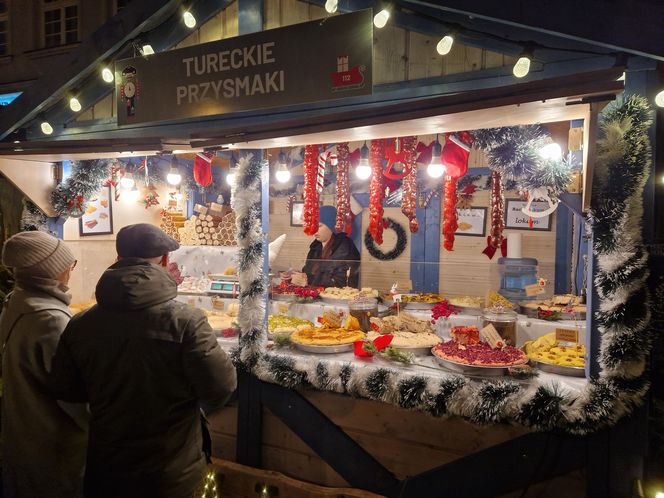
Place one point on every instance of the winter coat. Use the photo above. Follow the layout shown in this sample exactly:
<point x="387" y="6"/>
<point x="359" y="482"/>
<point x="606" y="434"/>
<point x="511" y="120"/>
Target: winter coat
<point x="146" y="364"/>
<point x="43" y="441"/>
<point x="331" y="272"/>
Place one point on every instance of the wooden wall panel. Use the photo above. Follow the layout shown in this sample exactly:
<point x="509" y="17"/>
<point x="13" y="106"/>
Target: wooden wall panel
<point x="271" y="14"/>
<point x="423" y="60"/>
<point x="229" y="21"/>
<point x="390" y="55"/>
<point x="293" y="12"/>
<point x="212" y="29"/>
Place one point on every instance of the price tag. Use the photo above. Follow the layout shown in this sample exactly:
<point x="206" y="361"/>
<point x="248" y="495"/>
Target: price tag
<point x="567" y="335"/>
<point x="534" y="290"/>
<point x="492" y="337"/>
<point x="283" y="308"/>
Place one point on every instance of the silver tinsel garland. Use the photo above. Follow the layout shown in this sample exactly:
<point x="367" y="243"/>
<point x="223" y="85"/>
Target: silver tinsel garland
<point x="623" y="317"/>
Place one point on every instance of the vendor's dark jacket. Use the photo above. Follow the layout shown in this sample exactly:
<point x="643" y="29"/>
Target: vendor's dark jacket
<point x="146" y="364"/>
<point x="331" y="272"/>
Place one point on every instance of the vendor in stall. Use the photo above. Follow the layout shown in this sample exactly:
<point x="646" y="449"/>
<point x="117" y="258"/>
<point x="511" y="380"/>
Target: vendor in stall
<point x="333" y="259"/>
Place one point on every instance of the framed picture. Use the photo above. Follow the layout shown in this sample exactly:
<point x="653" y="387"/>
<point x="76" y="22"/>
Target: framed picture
<point x="471" y="222"/>
<point x="98" y="216"/>
<point x="515" y="218"/>
<point x="297" y="214"/>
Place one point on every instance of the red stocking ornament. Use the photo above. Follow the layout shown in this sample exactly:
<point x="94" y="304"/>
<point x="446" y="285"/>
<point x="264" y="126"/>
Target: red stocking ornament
<point x="455" y="158"/>
<point x="203" y="168"/>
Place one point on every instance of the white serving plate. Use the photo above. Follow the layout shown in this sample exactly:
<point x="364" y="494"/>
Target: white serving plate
<point x="337" y="348"/>
<point x="560" y="369"/>
<point x="470" y="369"/>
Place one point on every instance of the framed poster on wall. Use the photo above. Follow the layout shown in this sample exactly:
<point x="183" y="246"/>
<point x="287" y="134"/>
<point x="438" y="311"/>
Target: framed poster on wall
<point x="515" y="218"/>
<point x="297" y="214"/>
<point x="98" y="216"/>
<point x="471" y="222"/>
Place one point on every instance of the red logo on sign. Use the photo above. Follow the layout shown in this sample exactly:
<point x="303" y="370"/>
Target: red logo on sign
<point x="345" y="78"/>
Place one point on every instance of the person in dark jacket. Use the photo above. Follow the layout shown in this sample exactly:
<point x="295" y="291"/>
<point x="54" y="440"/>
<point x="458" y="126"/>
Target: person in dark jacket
<point x="146" y="364"/>
<point x="333" y="259"/>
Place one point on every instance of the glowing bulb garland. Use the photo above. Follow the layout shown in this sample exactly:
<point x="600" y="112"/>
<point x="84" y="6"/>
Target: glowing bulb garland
<point x="74" y="104"/>
<point x="445" y="45"/>
<point x="380" y="19"/>
<point x="189" y="20"/>
<point x="107" y="75"/>
<point x="46" y="128"/>
<point x="331" y="6"/>
<point x="522" y="67"/>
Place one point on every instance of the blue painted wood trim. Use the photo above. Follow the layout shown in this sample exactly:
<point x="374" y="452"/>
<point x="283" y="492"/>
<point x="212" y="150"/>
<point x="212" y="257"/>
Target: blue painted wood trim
<point x="418" y="254"/>
<point x="581" y="246"/>
<point x="593" y="336"/>
<point x="56" y="225"/>
<point x="432" y="246"/>
<point x="572" y="201"/>
<point x="563" y="261"/>
<point x="250" y="16"/>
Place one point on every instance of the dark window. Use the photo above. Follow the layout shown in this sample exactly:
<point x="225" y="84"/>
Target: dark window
<point x="4" y="28"/>
<point x="60" y="22"/>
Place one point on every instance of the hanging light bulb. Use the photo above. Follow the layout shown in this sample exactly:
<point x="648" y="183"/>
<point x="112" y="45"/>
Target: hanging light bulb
<point x="282" y="174"/>
<point x="107" y="75"/>
<point x="522" y="66"/>
<point x="46" y="128"/>
<point x="74" y="104"/>
<point x="174" y="177"/>
<point x="331" y="6"/>
<point x="133" y="194"/>
<point x="230" y="177"/>
<point x="436" y="168"/>
<point x="363" y="169"/>
<point x="659" y="99"/>
<point x="178" y="196"/>
<point x="127" y="181"/>
<point x="147" y="49"/>
<point x="189" y="19"/>
<point x="445" y="45"/>
<point x="551" y="151"/>
<point x="380" y="19"/>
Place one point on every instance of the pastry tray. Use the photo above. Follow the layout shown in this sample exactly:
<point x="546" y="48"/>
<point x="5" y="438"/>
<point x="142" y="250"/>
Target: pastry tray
<point x="335" y="301"/>
<point x="416" y="350"/>
<point x="560" y="369"/>
<point x="414" y="305"/>
<point x="471" y="369"/>
<point x="336" y="348"/>
<point x="532" y="313"/>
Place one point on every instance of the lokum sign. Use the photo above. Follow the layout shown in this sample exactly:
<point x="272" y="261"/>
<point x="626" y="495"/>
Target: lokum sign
<point x="319" y="60"/>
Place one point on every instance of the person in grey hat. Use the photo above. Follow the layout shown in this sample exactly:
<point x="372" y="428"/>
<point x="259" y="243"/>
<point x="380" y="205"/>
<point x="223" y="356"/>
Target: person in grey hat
<point x="43" y="441"/>
<point x="146" y="364"/>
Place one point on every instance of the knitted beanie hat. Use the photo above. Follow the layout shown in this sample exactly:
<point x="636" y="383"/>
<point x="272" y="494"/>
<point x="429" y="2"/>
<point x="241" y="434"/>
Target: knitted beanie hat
<point x="328" y="216"/>
<point x="37" y="254"/>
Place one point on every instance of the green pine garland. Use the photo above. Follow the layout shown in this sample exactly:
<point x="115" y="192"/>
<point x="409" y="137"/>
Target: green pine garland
<point x="71" y="197"/>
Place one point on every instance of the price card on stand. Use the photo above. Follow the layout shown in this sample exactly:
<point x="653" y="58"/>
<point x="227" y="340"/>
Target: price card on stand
<point x="492" y="337"/>
<point x="534" y="290"/>
<point x="567" y="335"/>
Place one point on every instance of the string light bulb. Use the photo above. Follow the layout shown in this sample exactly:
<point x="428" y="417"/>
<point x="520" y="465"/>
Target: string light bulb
<point x="147" y="49"/>
<point x="127" y="181"/>
<point x="331" y="6"/>
<point x="380" y="19"/>
<point x="551" y="151"/>
<point x="75" y="104"/>
<point x="107" y="75"/>
<point x="133" y="194"/>
<point x="436" y="168"/>
<point x="363" y="169"/>
<point x="230" y="177"/>
<point x="46" y="128"/>
<point x="445" y="45"/>
<point x="174" y="177"/>
<point x="282" y="174"/>
<point x="189" y="19"/>
<point x="659" y="102"/>
<point x="522" y="66"/>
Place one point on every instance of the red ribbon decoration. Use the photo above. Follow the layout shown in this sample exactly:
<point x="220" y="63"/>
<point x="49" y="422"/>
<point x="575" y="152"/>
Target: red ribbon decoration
<point x="380" y="343"/>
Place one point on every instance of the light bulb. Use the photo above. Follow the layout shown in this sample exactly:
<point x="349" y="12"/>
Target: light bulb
<point x="380" y="19"/>
<point x="147" y="49"/>
<point x="46" y="128"/>
<point x="436" y="168"/>
<point x="331" y="6"/>
<point x="230" y="178"/>
<point x="659" y="494"/>
<point x="173" y="177"/>
<point x="522" y="67"/>
<point x="551" y="151"/>
<point x="189" y="19"/>
<point x="127" y="181"/>
<point x="178" y="196"/>
<point x="132" y="195"/>
<point x="659" y="99"/>
<point x="107" y="75"/>
<point x="74" y="104"/>
<point x="445" y="45"/>
<point x="363" y="170"/>
<point x="282" y="175"/>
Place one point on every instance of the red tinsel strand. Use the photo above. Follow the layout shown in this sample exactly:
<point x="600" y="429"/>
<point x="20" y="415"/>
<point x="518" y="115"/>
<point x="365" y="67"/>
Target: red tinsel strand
<point x="376" y="191"/>
<point x="450" y="222"/>
<point x="497" y="210"/>
<point x="344" y="215"/>
<point x="311" y="203"/>
<point x="409" y="198"/>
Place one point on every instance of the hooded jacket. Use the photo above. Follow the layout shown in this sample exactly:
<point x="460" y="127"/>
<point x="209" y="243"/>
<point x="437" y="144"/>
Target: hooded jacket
<point x="146" y="364"/>
<point x="43" y="441"/>
<point x="332" y="272"/>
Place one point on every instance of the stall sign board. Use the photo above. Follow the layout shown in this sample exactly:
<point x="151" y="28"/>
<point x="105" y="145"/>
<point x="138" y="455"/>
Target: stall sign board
<point x="515" y="218"/>
<point x="320" y="60"/>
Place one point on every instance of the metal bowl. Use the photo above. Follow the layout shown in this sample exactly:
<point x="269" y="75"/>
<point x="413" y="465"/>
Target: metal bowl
<point x="336" y="348"/>
<point x="560" y="369"/>
<point x="470" y="369"/>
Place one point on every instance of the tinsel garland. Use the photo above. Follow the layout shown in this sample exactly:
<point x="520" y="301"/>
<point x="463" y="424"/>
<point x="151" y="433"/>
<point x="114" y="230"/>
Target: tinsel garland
<point x="376" y="191"/>
<point x="399" y="247"/>
<point x="409" y="197"/>
<point x="33" y="218"/>
<point x="70" y="198"/>
<point x="311" y="210"/>
<point x="344" y="214"/>
<point x="623" y="315"/>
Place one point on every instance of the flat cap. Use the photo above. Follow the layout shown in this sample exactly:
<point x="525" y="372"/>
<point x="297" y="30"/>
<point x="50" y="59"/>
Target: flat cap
<point x="143" y="240"/>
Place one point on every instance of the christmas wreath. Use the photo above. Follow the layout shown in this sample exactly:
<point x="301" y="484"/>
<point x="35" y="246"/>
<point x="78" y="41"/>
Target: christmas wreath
<point x="400" y="246"/>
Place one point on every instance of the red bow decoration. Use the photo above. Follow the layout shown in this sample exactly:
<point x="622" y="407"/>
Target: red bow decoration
<point x="395" y="157"/>
<point x="489" y="250"/>
<point x="77" y="202"/>
<point x="379" y="343"/>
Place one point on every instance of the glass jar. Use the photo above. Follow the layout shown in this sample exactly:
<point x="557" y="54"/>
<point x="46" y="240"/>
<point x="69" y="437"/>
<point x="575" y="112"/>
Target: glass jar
<point x="503" y="320"/>
<point x="363" y="308"/>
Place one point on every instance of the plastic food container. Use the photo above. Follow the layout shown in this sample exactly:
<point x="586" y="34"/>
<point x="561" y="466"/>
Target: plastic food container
<point x="363" y="308"/>
<point x="504" y="321"/>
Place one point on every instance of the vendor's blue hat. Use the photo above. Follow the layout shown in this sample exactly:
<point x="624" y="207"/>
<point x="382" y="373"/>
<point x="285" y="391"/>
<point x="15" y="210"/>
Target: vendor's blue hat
<point x="328" y="217"/>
